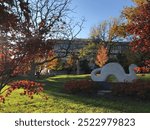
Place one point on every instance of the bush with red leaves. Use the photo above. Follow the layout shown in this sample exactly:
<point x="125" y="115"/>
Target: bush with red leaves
<point x="80" y="87"/>
<point x="139" y="89"/>
<point x="30" y="88"/>
<point x="143" y="69"/>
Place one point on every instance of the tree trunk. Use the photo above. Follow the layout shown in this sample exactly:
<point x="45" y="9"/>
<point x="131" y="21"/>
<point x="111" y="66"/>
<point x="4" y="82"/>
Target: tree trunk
<point x="32" y="71"/>
<point x="78" y="66"/>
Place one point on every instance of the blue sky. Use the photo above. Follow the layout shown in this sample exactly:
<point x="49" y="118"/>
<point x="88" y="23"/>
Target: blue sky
<point x="96" y="11"/>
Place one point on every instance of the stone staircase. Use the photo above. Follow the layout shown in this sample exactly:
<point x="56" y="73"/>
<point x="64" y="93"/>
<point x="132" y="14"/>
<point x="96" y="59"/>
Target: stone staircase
<point x="104" y="92"/>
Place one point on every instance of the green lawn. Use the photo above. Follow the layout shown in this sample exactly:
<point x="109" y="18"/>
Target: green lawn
<point x="58" y="101"/>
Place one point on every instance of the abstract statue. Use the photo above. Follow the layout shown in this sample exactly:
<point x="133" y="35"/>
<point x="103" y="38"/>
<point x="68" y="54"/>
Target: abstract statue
<point x="116" y="70"/>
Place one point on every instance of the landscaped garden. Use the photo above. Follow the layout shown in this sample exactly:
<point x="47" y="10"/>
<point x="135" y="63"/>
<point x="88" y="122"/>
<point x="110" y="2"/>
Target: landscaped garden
<point x="60" y="101"/>
<point x="39" y="38"/>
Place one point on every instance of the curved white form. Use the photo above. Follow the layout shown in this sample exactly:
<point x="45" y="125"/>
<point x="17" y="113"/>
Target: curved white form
<point x="116" y="70"/>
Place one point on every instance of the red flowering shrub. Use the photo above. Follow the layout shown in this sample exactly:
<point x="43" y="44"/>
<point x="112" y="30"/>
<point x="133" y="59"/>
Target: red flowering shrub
<point x="139" y="89"/>
<point x="80" y="86"/>
<point x="144" y="69"/>
<point x="30" y="88"/>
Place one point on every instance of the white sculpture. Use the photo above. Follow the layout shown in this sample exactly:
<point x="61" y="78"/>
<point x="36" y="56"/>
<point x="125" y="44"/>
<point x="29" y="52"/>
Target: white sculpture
<point x="116" y="70"/>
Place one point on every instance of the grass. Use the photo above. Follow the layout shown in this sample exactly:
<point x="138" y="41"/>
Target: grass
<point x="144" y="77"/>
<point x="60" y="102"/>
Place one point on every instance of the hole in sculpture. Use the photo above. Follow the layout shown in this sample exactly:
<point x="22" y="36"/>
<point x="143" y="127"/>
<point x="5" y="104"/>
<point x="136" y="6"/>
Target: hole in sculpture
<point x="111" y="78"/>
<point x="98" y="74"/>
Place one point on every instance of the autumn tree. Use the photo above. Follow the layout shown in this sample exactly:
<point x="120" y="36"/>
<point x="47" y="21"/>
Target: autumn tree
<point x="49" y="21"/>
<point x="88" y="53"/>
<point x="29" y="31"/>
<point x="138" y="19"/>
<point x="72" y="63"/>
<point x="11" y="55"/>
<point x="101" y="57"/>
<point x="108" y="32"/>
<point x="39" y="26"/>
<point x="54" y="64"/>
<point x="40" y="23"/>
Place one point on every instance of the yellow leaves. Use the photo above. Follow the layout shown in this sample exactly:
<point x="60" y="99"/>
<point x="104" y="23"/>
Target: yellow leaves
<point x="117" y="28"/>
<point x="108" y="30"/>
<point x="94" y="32"/>
<point x="70" y="60"/>
<point x="53" y="64"/>
<point x="129" y="12"/>
<point x="87" y="50"/>
<point x="120" y="30"/>
<point x="139" y="2"/>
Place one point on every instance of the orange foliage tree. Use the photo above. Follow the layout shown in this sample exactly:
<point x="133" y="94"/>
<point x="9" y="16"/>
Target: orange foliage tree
<point x="102" y="56"/>
<point x="53" y="65"/>
<point x="138" y="26"/>
<point x="12" y="59"/>
<point x="35" y="26"/>
<point x="28" y="30"/>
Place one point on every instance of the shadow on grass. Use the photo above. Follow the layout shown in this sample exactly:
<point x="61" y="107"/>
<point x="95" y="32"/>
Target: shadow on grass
<point x="54" y="87"/>
<point x="58" y="82"/>
<point x="115" y="104"/>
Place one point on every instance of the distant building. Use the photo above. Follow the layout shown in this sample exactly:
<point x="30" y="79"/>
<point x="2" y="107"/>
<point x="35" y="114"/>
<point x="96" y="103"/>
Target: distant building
<point x="77" y="44"/>
<point x="60" y="47"/>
